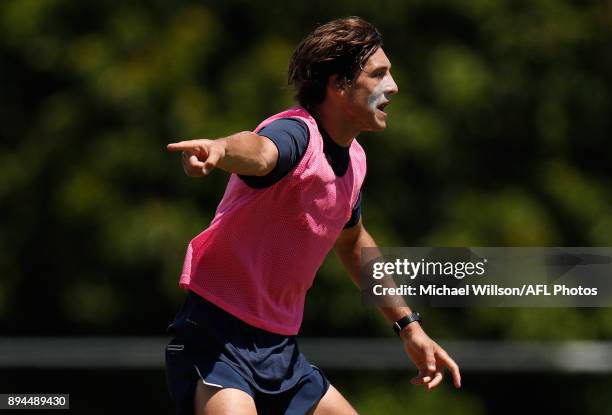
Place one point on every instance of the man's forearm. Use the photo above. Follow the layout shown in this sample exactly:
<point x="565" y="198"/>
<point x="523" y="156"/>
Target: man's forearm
<point x="429" y="358"/>
<point x="349" y="249"/>
<point x="247" y="153"/>
<point x="241" y="153"/>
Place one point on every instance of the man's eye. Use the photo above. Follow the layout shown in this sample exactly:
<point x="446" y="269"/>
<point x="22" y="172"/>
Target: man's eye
<point x="379" y="74"/>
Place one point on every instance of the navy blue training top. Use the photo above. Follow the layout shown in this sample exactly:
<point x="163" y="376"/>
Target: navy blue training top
<point x="291" y="135"/>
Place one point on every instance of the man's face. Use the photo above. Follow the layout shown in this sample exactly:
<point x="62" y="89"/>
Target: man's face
<point x="369" y="93"/>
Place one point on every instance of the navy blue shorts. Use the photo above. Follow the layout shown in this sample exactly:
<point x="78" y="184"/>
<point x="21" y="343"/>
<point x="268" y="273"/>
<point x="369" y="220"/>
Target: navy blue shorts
<point x="213" y="346"/>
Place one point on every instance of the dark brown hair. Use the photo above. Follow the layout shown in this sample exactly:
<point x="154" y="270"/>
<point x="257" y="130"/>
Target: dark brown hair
<point x="339" y="47"/>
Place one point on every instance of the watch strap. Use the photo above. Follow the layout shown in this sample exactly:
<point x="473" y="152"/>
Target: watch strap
<point x="399" y="325"/>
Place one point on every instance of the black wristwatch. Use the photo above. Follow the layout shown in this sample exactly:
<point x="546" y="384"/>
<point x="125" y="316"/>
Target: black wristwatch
<point x="404" y="321"/>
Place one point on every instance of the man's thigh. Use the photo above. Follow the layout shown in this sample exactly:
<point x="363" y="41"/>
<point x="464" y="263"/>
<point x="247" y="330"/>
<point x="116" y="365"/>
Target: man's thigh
<point x="333" y="403"/>
<point x="209" y="400"/>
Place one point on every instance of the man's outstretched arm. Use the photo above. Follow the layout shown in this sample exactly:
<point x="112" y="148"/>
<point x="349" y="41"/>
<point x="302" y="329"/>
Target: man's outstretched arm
<point x="429" y="358"/>
<point x="244" y="153"/>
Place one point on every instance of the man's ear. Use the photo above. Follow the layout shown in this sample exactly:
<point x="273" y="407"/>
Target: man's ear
<point x="336" y="83"/>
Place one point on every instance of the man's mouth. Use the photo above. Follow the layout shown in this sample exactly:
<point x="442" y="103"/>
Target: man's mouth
<point x="381" y="107"/>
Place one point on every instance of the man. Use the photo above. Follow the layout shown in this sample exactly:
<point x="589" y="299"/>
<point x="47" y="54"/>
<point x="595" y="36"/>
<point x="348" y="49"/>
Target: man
<point x="294" y="193"/>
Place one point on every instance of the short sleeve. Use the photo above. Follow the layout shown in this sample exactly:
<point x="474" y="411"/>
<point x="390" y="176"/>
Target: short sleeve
<point x="290" y="136"/>
<point x="356" y="214"/>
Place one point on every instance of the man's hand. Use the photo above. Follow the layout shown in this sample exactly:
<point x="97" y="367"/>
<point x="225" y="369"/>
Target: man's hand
<point x="245" y="153"/>
<point x="429" y="358"/>
<point x="199" y="157"/>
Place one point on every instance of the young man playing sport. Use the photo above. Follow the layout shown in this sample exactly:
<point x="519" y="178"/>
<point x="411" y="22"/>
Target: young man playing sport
<point x="294" y="193"/>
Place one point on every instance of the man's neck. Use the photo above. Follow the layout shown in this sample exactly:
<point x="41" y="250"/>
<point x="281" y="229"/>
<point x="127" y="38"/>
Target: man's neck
<point x="335" y="125"/>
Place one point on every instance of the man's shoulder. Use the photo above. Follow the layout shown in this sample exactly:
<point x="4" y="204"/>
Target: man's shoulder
<point x="298" y="113"/>
<point x="293" y="128"/>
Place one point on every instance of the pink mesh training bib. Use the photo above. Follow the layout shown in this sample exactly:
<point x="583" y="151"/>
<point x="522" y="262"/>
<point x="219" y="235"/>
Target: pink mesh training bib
<point x="263" y="248"/>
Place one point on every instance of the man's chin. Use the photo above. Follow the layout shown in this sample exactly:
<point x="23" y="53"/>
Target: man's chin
<point x="375" y="128"/>
<point x="380" y="125"/>
<point x="375" y="124"/>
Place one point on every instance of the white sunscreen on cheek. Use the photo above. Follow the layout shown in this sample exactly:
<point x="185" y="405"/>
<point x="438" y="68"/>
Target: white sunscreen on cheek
<point x="378" y="93"/>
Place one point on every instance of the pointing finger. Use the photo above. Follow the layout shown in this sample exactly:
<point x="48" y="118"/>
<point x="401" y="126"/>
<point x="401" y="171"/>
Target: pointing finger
<point x="182" y="146"/>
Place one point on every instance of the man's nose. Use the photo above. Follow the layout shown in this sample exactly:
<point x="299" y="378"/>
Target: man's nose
<point x="391" y="87"/>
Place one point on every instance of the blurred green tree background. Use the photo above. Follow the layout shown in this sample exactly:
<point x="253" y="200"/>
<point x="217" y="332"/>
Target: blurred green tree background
<point x="500" y="136"/>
